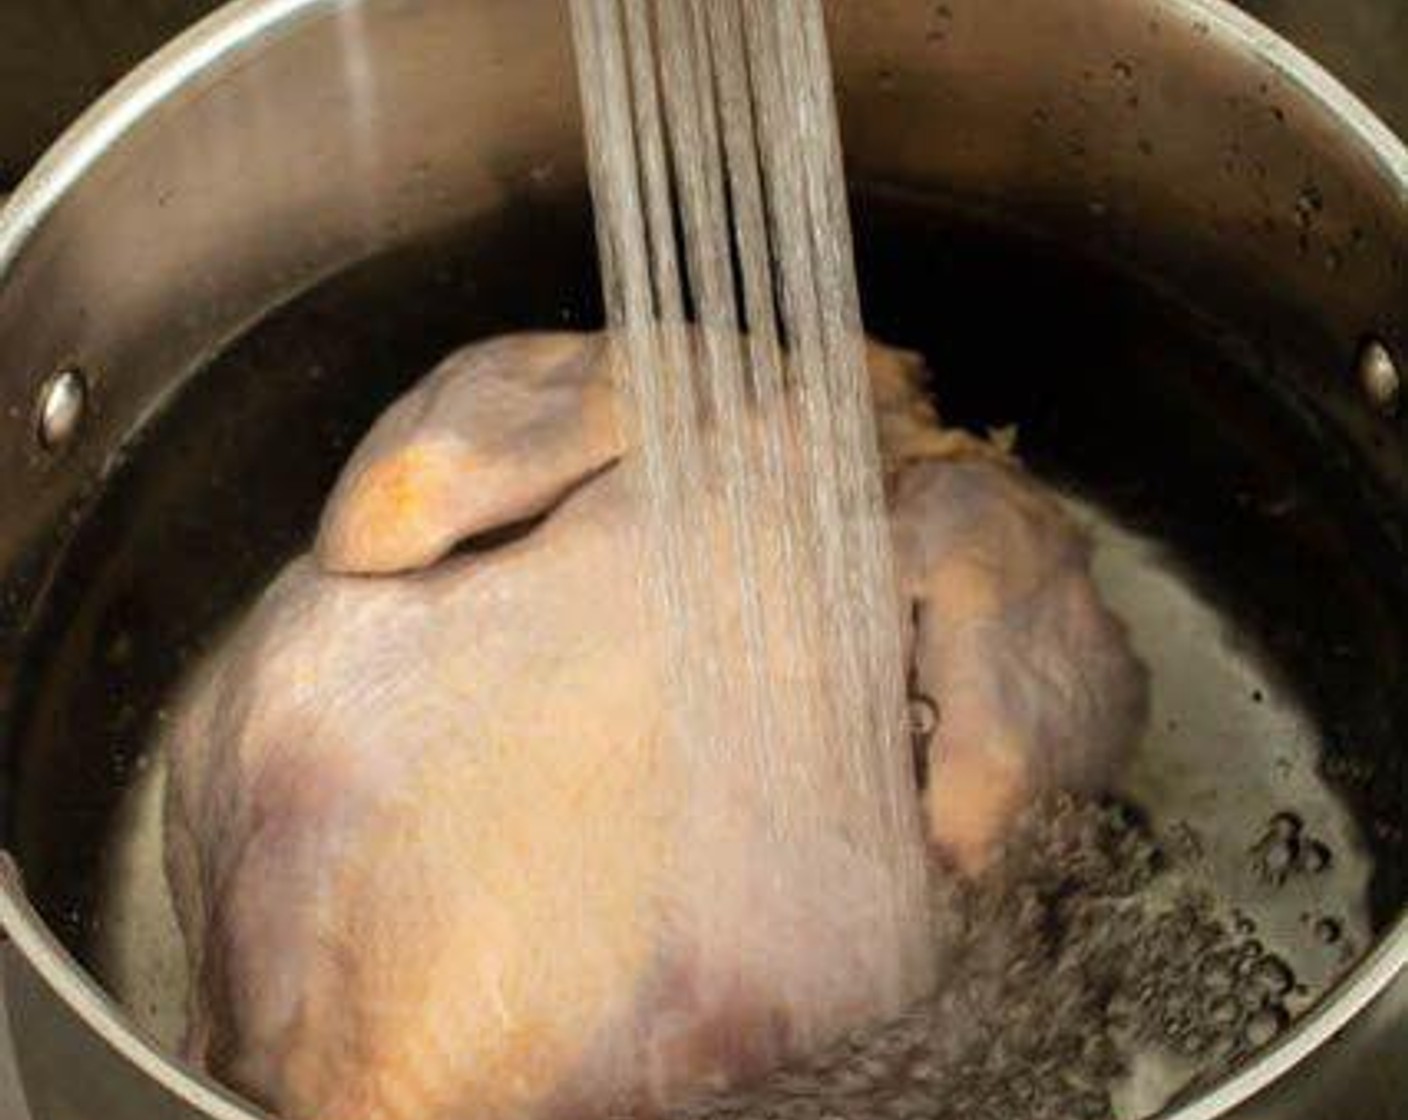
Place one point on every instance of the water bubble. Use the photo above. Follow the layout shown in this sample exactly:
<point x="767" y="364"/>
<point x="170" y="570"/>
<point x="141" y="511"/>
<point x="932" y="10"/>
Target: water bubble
<point x="1315" y="857"/>
<point x="1216" y="973"/>
<point x="1250" y="996"/>
<point x="1248" y="955"/>
<point x="857" y="1039"/>
<point x="1023" y="1033"/>
<point x="1225" y="1045"/>
<point x="1223" y="1011"/>
<point x="1264" y="1026"/>
<point x="1309" y="203"/>
<point x="1275" y="859"/>
<point x="1176" y="1022"/>
<point x="1328" y="931"/>
<point x="1273" y="976"/>
<point x="873" y="1069"/>
<point x="925" y="1070"/>
<point x="1195" y="1041"/>
<point x="1100" y="1058"/>
<point x="1148" y="995"/>
<point x="1024" y="1089"/>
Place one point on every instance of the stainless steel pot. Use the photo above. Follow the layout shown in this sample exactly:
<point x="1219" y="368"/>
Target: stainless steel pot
<point x="282" y="141"/>
<point x="56" y="58"/>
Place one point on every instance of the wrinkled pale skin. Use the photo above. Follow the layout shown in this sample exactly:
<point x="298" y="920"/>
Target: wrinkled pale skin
<point x="422" y="835"/>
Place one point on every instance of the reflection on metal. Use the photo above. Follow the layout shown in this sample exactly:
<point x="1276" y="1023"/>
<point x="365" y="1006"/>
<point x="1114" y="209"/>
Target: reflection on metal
<point x="1379" y="377"/>
<point x="63" y="400"/>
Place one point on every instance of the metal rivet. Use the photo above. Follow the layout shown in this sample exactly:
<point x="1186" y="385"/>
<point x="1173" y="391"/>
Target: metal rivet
<point x="63" y="400"/>
<point x="1379" y="378"/>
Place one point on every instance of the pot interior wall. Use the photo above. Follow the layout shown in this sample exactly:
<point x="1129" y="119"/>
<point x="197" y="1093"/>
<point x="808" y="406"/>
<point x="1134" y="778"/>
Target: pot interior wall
<point x="1163" y="416"/>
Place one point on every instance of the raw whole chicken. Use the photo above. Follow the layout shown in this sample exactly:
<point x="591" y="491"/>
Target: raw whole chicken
<point x="419" y="808"/>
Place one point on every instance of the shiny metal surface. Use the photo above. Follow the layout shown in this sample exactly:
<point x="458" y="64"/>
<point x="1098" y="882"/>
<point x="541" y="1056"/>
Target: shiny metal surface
<point x="63" y="399"/>
<point x="12" y="1104"/>
<point x="285" y="139"/>
<point x="122" y="1075"/>
<point x="1378" y="373"/>
<point x="1362" y="41"/>
<point x="56" y="58"/>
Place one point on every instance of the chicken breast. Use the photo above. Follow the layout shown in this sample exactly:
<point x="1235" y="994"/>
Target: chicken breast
<point x="432" y="856"/>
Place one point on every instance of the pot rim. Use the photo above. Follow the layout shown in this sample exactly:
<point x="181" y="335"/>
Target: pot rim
<point x="239" y="25"/>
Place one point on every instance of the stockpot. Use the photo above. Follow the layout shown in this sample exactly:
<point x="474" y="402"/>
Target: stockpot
<point x="281" y="142"/>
